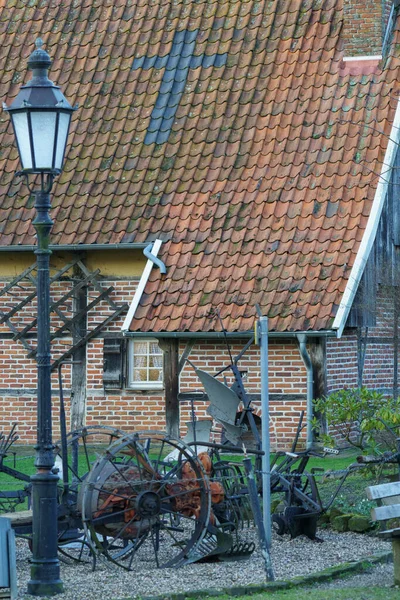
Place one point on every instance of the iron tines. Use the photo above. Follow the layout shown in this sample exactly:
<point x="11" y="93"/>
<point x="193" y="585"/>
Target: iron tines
<point x="7" y="441"/>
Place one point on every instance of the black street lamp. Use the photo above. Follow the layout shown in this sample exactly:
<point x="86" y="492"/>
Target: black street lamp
<point x="41" y="116"/>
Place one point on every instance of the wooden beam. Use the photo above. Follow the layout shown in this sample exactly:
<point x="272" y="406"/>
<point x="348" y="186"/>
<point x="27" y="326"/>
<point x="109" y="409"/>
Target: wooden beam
<point x="22" y="517"/>
<point x="88" y="336"/>
<point x="78" y="382"/>
<point x="317" y="352"/>
<point x="71" y="322"/>
<point x="185" y="354"/>
<point x="32" y="295"/>
<point x="170" y="347"/>
<point x="17" y="279"/>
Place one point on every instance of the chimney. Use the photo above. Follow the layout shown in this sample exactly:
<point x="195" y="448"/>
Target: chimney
<point x="365" y="25"/>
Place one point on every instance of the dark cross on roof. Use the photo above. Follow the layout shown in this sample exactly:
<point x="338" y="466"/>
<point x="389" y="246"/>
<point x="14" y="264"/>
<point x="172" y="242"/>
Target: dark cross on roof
<point x="177" y="64"/>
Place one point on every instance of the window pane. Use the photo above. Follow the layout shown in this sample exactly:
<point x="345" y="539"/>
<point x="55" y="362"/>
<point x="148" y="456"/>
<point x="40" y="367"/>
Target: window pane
<point x="43" y="133"/>
<point x="155" y="361"/>
<point x="154" y="348"/>
<point x="20" y="121"/>
<point x="140" y="361"/>
<point x="140" y="348"/>
<point x="154" y="375"/>
<point x="63" y="127"/>
<point x="147" y="363"/>
<point x="140" y="374"/>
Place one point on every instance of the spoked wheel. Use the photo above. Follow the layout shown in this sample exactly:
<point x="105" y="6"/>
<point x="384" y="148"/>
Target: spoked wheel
<point x="78" y="549"/>
<point x="147" y="499"/>
<point x="84" y="446"/>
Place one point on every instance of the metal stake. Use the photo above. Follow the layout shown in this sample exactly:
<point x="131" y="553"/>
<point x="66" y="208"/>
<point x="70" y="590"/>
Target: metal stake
<point x="258" y="521"/>
<point x="266" y="472"/>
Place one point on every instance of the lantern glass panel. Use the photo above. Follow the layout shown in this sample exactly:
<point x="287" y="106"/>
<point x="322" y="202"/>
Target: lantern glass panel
<point x="43" y="134"/>
<point x="63" y="128"/>
<point x="20" y="122"/>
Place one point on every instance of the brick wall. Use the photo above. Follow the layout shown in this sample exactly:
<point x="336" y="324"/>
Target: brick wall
<point x="378" y="371"/>
<point x="287" y="376"/>
<point x="128" y="409"/>
<point x="364" y="26"/>
<point x="287" y="373"/>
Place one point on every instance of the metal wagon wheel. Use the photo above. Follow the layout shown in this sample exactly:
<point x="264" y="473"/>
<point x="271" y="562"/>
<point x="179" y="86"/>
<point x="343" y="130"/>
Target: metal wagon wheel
<point x="75" y="459"/>
<point x="148" y="491"/>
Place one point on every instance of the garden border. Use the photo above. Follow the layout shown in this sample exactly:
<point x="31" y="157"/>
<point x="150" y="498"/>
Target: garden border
<point x="330" y="573"/>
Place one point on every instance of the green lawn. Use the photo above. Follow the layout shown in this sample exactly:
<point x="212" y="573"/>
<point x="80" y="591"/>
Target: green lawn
<point x="351" y="496"/>
<point x="373" y="593"/>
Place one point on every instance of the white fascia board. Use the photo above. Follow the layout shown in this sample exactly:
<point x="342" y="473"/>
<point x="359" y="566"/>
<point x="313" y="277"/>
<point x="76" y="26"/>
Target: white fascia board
<point x="140" y="288"/>
<point x="361" y="58"/>
<point x="371" y="228"/>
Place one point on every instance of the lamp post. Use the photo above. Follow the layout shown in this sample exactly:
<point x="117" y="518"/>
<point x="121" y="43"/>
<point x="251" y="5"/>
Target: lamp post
<point x="41" y="116"/>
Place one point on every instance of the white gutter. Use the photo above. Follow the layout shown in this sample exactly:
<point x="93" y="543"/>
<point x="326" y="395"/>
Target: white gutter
<point x="140" y="288"/>
<point x="371" y="228"/>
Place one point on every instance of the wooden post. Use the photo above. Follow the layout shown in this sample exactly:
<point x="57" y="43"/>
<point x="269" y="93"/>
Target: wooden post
<point x="78" y="384"/>
<point x="317" y="353"/>
<point x="396" y="560"/>
<point x="170" y="347"/>
<point x="396" y="308"/>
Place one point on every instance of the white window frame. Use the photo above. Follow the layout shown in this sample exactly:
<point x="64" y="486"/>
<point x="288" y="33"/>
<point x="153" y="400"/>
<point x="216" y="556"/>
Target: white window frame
<point x="148" y="384"/>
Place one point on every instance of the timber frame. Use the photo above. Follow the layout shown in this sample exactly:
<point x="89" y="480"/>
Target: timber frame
<point x="71" y="308"/>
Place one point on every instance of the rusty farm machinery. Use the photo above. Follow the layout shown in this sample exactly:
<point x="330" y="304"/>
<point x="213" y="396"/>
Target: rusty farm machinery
<point x="143" y="496"/>
<point x="147" y="496"/>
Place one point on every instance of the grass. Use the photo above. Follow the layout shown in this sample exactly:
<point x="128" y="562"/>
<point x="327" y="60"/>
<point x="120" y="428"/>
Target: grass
<point x="372" y="593"/>
<point x="349" y="498"/>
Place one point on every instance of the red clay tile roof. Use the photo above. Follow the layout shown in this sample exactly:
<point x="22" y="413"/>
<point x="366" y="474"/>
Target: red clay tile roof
<point x="230" y="129"/>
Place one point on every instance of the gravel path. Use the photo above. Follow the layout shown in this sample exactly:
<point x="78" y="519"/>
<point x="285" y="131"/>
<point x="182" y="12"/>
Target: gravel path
<point x="290" y="558"/>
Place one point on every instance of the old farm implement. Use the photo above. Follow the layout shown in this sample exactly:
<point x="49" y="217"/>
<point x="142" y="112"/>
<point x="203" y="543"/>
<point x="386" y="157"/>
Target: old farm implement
<point x="141" y="495"/>
<point x="148" y="496"/>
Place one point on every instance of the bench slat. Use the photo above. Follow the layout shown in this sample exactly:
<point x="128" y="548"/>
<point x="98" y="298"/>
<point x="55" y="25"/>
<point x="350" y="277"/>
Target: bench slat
<point x="390" y="533"/>
<point x="380" y="513"/>
<point x="21" y="517"/>
<point x="374" y="492"/>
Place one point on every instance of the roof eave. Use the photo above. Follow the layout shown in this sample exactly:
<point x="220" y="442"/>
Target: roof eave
<point x="371" y="229"/>
<point x="229" y="334"/>
<point x="76" y="247"/>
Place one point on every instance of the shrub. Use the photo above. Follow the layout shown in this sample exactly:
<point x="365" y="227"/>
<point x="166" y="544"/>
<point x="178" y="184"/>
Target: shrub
<point x="361" y="417"/>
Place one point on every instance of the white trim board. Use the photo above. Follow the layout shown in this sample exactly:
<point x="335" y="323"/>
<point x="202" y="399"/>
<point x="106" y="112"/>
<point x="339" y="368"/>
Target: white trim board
<point x="371" y="228"/>
<point x="140" y="288"/>
<point x="361" y="58"/>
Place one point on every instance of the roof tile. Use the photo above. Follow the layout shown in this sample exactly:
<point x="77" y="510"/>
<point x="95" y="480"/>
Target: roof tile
<point x="258" y="165"/>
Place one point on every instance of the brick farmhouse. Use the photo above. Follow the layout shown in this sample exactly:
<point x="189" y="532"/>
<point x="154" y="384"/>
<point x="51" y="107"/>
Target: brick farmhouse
<point x="225" y="154"/>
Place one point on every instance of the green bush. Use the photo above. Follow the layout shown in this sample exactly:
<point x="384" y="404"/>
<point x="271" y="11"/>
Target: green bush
<point x="358" y="506"/>
<point x="361" y="417"/>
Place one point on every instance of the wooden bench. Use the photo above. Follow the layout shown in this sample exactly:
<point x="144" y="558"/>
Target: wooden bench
<point x="8" y="570"/>
<point x="389" y="495"/>
<point x="22" y="517"/>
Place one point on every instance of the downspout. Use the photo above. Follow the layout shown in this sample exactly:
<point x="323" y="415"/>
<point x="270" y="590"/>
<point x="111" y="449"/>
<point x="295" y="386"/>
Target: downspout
<point x="302" y="339"/>
<point x="150" y="256"/>
<point x="150" y="252"/>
